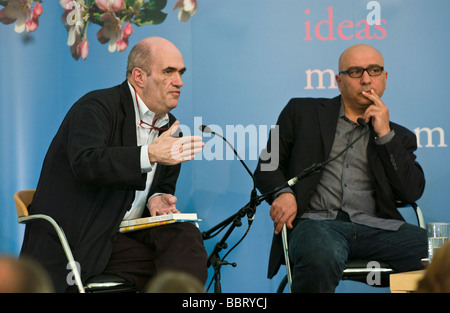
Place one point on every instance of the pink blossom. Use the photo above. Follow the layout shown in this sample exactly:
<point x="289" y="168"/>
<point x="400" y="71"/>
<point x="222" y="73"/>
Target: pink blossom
<point x="187" y="9"/>
<point x="4" y="18"/>
<point x="74" y="27"/>
<point x="16" y="10"/>
<point x="122" y="44"/>
<point x="32" y="22"/>
<point x="127" y="31"/>
<point x="31" y="25"/>
<point x="67" y="5"/>
<point x="101" y="37"/>
<point x="111" y="31"/>
<point x="75" y="49"/>
<point x="38" y="10"/>
<point x="109" y="5"/>
<point x="84" y="49"/>
<point x="80" y="49"/>
<point x="74" y="23"/>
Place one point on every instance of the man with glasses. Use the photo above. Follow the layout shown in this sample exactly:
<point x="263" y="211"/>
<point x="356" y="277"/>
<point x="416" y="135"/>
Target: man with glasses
<point x="117" y="156"/>
<point x="348" y="209"/>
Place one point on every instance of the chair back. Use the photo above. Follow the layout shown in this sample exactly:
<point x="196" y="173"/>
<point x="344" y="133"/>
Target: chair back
<point x="22" y="200"/>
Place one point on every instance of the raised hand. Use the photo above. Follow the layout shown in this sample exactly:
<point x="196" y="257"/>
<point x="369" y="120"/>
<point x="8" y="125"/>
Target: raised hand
<point x="170" y="150"/>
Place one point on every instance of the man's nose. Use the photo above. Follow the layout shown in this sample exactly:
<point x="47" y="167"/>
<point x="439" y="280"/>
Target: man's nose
<point x="366" y="78"/>
<point x="178" y="80"/>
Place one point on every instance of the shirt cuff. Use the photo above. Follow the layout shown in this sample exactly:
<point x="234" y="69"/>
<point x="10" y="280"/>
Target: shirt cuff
<point x="286" y="189"/>
<point x="385" y="139"/>
<point x="146" y="165"/>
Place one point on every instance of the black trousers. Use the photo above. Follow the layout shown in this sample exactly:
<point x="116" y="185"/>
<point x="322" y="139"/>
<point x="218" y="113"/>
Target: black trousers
<point x="139" y="256"/>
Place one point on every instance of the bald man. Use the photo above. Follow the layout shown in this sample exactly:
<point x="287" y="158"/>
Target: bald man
<point x="116" y="157"/>
<point x="348" y="210"/>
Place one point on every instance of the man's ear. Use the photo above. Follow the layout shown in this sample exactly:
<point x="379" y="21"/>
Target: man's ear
<point x="338" y="81"/>
<point x="138" y="77"/>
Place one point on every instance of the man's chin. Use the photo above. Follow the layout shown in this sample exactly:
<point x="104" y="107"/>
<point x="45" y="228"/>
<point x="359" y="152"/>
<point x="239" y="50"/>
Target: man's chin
<point x="172" y="105"/>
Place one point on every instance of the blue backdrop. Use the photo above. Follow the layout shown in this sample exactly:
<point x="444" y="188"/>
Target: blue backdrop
<point x="245" y="60"/>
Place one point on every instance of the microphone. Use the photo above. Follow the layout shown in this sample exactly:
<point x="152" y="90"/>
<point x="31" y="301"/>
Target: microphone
<point x="362" y="122"/>
<point x="206" y="129"/>
<point x="250" y="215"/>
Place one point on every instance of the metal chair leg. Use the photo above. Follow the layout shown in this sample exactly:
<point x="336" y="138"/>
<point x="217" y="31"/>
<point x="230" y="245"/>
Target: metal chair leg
<point x="286" y="256"/>
<point x="64" y="243"/>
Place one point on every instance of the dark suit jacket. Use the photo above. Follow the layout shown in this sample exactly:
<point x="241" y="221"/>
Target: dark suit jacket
<point x="88" y="182"/>
<point x="306" y="134"/>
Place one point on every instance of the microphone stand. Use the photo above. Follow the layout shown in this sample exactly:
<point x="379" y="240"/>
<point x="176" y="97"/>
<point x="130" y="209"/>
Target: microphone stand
<point x="249" y="209"/>
<point x="214" y="259"/>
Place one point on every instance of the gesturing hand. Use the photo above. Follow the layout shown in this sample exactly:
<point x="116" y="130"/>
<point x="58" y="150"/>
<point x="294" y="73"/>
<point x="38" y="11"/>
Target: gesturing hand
<point x="170" y="150"/>
<point x="162" y="204"/>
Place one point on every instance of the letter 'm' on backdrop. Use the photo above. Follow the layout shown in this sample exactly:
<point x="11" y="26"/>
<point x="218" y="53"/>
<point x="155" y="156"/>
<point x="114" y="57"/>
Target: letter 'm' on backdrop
<point x="245" y="60"/>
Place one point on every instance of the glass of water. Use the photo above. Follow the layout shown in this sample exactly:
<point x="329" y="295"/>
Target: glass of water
<point x="438" y="235"/>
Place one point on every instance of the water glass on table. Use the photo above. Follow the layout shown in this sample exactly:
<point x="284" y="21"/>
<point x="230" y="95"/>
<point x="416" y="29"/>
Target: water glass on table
<point x="438" y="235"/>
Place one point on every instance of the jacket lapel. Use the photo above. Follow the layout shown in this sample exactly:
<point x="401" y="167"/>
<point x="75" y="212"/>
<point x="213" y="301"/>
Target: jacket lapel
<point x="326" y="115"/>
<point x="129" y="127"/>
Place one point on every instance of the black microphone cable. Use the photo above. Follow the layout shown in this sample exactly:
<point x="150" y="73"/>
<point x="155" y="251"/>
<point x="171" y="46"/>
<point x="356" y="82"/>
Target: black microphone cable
<point x="316" y="167"/>
<point x="253" y="196"/>
<point x="251" y="205"/>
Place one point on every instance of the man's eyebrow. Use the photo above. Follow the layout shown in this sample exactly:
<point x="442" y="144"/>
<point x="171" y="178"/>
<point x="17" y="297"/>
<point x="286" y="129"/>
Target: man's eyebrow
<point x="173" y="69"/>
<point x="370" y="65"/>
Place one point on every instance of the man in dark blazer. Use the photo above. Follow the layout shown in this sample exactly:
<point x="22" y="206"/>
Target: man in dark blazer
<point x="348" y="209"/>
<point x="116" y="155"/>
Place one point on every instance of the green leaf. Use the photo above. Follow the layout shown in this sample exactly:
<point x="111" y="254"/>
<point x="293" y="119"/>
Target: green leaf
<point x="151" y="17"/>
<point x="96" y="19"/>
<point x="157" y="5"/>
<point x="89" y="3"/>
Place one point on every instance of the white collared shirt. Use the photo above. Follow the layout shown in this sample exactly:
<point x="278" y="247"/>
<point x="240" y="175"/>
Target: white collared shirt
<point x="145" y="137"/>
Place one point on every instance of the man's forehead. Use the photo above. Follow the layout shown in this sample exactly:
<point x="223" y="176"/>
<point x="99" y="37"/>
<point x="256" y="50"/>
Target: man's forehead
<point x="362" y="60"/>
<point x="170" y="66"/>
<point x="361" y="55"/>
<point x="169" y="61"/>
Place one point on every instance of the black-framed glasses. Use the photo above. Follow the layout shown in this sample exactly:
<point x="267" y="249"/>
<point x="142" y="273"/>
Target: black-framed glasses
<point x="357" y="72"/>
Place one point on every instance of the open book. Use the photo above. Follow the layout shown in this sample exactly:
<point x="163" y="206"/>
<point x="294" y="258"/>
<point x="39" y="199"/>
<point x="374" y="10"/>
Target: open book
<point x="147" y="222"/>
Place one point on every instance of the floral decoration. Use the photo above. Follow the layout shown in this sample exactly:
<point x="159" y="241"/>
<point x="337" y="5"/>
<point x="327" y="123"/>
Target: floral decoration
<point x="115" y="18"/>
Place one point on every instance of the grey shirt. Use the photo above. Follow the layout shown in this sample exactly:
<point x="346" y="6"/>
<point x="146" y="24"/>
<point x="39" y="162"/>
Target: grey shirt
<point x="347" y="182"/>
